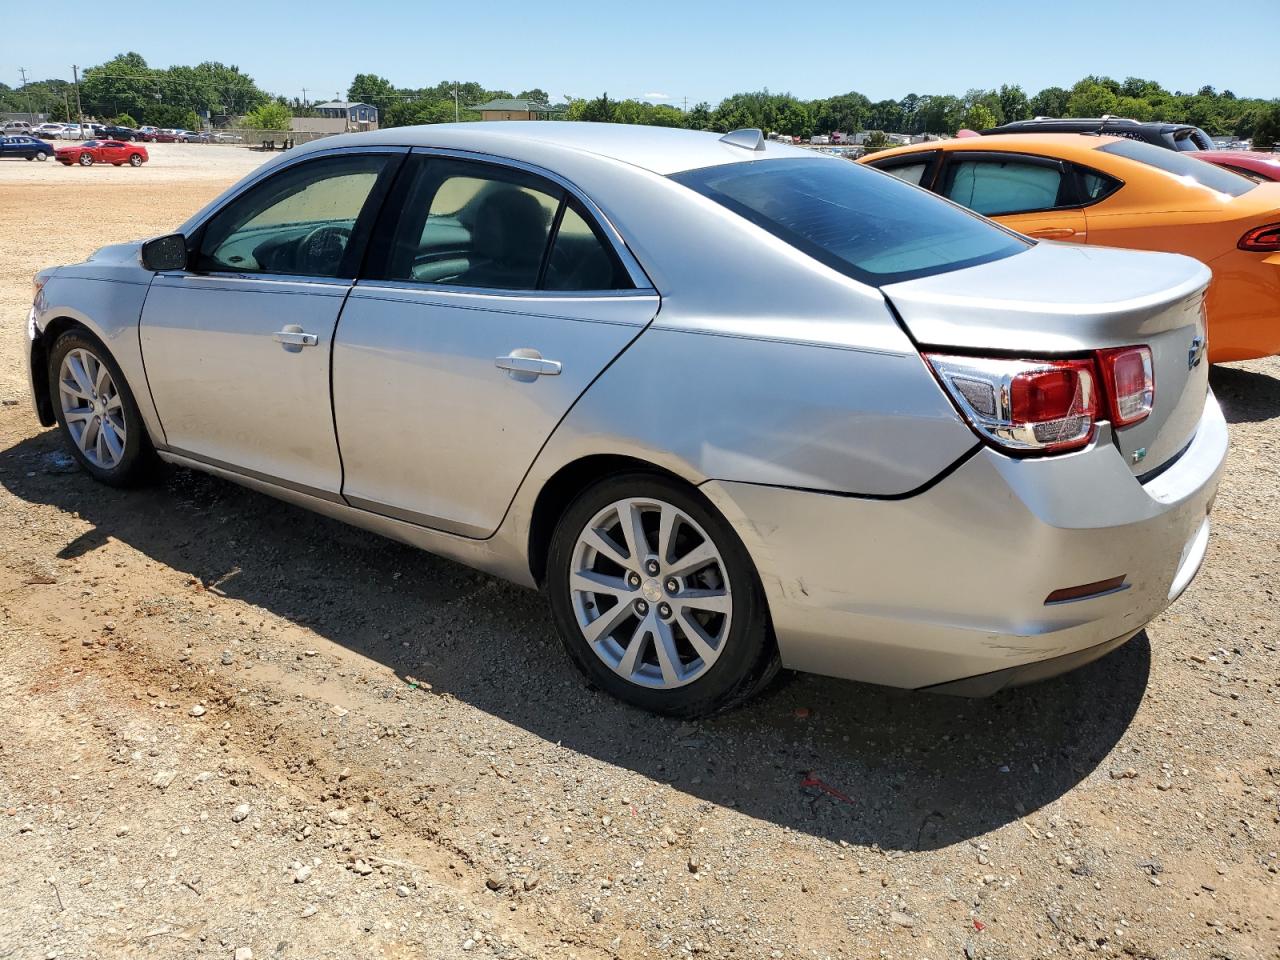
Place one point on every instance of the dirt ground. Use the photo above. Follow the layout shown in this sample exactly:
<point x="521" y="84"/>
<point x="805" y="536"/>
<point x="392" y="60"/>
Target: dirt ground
<point x="229" y="725"/>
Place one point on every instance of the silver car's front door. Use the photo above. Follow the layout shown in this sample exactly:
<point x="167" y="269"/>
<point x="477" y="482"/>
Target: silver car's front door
<point x="237" y="349"/>
<point x="498" y="300"/>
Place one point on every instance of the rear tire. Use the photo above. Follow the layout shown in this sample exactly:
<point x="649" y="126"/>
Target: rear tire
<point x="679" y="628"/>
<point x="42" y="156"/>
<point x="86" y="160"/>
<point x="97" y="413"/>
<point x="135" y="159"/>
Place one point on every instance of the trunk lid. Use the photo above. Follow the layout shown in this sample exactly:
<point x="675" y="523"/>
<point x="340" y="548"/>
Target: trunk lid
<point x="1058" y="299"/>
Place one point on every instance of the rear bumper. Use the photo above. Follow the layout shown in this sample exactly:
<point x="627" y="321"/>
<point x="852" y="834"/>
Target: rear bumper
<point x="951" y="584"/>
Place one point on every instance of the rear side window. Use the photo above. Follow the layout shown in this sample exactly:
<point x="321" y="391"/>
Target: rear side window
<point x="469" y="224"/>
<point x="995" y="186"/>
<point x="1095" y="186"/>
<point x="1185" y="167"/>
<point x="873" y="228"/>
<point x="911" y="173"/>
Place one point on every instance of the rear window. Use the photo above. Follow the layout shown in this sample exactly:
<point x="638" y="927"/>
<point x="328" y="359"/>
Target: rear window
<point x="868" y="226"/>
<point x="1180" y="165"/>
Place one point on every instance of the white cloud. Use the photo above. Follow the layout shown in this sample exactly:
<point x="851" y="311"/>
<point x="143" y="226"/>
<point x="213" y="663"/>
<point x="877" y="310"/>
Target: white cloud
<point x="656" y="96"/>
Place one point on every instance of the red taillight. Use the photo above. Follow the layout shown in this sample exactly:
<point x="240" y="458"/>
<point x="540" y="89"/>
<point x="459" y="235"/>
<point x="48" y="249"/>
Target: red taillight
<point x="1049" y="406"/>
<point x="1130" y="383"/>
<point x="1032" y="406"/>
<point x="1262" y="239"/>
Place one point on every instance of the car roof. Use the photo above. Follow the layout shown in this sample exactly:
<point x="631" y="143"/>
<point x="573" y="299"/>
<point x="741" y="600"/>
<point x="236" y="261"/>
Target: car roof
<point x="1162" y="126"/>
<point x="662" y="150"/>
<point x="1058" y="144"/>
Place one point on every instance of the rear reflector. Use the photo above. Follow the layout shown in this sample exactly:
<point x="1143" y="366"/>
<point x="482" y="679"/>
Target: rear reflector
<point x="1262" y="239"/>
<point x="1086" y="590"/>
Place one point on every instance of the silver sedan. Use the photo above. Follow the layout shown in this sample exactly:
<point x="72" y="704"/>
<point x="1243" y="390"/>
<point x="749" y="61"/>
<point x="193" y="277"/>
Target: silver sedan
<point x="731" y="404"/>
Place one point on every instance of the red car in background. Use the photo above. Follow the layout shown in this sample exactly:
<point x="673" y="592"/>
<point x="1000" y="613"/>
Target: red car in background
<point x="115" y="152"/>
<point x="1250" y="163"/>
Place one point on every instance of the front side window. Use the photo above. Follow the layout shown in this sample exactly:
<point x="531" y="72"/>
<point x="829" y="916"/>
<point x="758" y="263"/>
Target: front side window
<point x="299" y="222"/>
<point x="1188" y="169"/>
<point x="469" y="224"/>
<point x="996" y="186"/>
<point x="873" y="228"/>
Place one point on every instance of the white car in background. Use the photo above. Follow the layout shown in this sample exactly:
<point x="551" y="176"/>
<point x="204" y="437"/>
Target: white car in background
<point x="73" y="131"/>
<point x="49" y="131"/>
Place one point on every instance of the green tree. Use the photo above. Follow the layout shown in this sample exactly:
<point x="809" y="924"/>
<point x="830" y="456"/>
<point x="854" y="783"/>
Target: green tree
<point x="846" y="113"/>
<point x="170" y="116"/>
<point x="979" y="117"/>
<point x="941" y="114"/>
<point x="1050" y="102"/>
<point x="1089" y="99"/>
<point x="124" y="120"/>
<point x="409" y="113"/>
<point x="537" y="93"/>
<point x="599" y="110"/>
<point x="1266" y="129"/>
<point x="269" y="116"/>
<point x="698" y="117"/>
<point x="374" y="90"/>
<point x="1014" y="103"/>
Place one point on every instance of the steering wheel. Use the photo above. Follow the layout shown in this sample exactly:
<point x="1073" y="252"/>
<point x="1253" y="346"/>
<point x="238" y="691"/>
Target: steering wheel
<point x="321" y="250"/>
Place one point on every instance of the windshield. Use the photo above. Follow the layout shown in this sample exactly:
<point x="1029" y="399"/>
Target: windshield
<point x="1191" y="169"/>
<point x="866" y="224"/>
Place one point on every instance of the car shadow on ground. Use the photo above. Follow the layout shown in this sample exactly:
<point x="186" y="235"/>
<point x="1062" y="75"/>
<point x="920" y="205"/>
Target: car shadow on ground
<point x="836" y="759"/>
<point x="1246" y="395"/>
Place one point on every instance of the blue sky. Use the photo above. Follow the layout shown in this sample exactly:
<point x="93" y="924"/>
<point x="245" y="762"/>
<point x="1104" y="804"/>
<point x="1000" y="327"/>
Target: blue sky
<point x="665" y="50"/>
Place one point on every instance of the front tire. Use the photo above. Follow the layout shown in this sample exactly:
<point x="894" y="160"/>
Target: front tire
<point x="135" y="159"/>
<point x="97" y="412"/>
<point x="86" y="160"/>
<point x="656" y="599"/>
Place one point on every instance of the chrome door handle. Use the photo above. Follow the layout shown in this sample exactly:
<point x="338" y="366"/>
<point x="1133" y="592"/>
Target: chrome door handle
<point x="296" y="338"/>
<point x="527" y="365"/>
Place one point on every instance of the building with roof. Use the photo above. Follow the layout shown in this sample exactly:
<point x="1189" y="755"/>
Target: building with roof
<point x="514" y="109"/>
<point x="337" y="116"/>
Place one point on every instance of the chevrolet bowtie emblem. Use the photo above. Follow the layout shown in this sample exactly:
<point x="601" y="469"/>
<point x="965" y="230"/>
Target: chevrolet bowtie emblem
<point x="1195" y="353"/>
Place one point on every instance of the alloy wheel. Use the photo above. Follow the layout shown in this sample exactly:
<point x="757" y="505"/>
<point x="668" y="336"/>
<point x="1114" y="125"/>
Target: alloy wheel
<point x="92" y="408"/>
<point x="650" y="592"/>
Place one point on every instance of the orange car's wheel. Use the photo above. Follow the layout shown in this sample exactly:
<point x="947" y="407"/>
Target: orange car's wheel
<point x="86" y="159"/>
<point x="135" y="159"/>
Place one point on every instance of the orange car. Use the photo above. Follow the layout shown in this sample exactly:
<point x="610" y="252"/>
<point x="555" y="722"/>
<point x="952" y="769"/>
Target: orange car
<point x="1123" y="193"/>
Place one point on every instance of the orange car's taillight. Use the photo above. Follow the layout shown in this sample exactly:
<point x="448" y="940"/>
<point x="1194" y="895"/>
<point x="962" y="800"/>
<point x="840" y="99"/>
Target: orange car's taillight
<point x="1262" y="239"/>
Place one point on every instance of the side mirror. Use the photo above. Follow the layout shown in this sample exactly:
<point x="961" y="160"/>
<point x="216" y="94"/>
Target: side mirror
<point x="165" y="253"/>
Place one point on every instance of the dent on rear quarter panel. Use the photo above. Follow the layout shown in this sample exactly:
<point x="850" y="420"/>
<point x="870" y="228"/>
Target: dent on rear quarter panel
<point x="720" y="407"/>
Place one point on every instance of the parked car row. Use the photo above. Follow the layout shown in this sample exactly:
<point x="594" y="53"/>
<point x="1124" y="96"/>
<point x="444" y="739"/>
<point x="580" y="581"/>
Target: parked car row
<point x="77" y="131"/>
<point x="773" y="409"/>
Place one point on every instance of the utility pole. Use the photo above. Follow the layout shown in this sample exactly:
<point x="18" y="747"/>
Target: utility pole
<point x="31" y="117"/>
<point x="75" y="73"/>
<point x="455" y="101"/>
<point x="686" y="104"/>
<point x="304" y="98"/>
